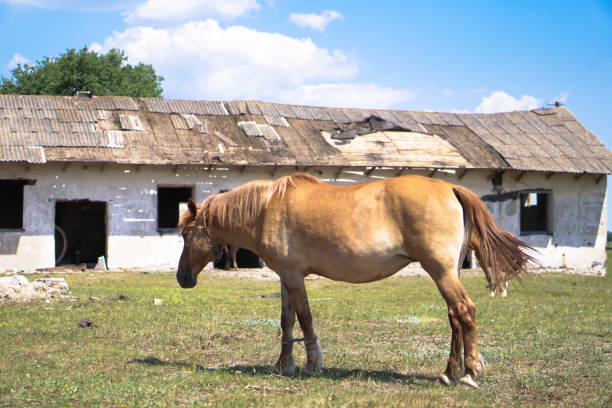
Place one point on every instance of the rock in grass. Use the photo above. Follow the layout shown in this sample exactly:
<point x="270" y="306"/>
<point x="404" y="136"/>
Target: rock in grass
<point x="86" y="323"/>
<point x="14" y="281"/>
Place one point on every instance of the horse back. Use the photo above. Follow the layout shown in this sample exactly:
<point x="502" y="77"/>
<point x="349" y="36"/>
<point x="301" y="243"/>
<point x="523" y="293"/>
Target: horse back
<point x="383" y="224"/>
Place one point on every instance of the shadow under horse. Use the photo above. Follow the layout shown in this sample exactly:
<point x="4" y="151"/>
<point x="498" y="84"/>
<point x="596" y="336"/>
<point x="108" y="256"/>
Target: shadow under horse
<point x="358" y="233"/>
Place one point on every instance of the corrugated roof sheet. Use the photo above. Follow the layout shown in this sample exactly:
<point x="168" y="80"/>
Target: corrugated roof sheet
<point x="130" y="122"/>
<point x="28" y="154"/>
<point x="158" y="130"/>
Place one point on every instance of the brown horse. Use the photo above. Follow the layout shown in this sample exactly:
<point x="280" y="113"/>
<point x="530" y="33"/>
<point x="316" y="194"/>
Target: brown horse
<point x="358" y="233"/>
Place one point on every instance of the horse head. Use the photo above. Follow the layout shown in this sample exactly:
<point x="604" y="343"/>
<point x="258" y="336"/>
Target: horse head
<point x="199" y="248"/>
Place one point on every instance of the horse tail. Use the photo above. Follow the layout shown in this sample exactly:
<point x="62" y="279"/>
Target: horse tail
<point x="501" y="255"/>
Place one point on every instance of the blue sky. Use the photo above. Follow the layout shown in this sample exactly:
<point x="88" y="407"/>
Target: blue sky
<point x="472" y="56"/>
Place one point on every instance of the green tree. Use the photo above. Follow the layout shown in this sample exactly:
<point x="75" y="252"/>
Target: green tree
<point x="83" y="70"/>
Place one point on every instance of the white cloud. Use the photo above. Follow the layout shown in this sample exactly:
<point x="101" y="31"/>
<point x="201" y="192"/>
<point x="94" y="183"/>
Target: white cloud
<point x="16" y="60"/>
<point x="448" y="92"/>
<point x="315" y="21"/>
<point x="500" y="101"/>
<point x="347" y="95"/>
<point x="202" y="60"/>
<point x="189" y="9"/>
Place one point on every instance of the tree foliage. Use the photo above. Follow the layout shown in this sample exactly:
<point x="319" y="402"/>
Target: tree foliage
<point x="83" y="70"/>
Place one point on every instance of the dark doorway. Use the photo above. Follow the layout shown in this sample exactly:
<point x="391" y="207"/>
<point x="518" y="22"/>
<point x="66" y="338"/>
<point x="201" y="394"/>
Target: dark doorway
<point x="80" y="233"/>
<point x="244" y="259"/>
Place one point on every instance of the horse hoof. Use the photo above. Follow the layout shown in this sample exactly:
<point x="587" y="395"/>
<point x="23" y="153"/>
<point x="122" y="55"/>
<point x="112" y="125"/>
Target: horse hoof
<point x="492" y="294"/>
<point x="288" y="369"/>
<point x="444" y="379"/>
<point x="310" y="371"/>
<point x="469" y="381"/>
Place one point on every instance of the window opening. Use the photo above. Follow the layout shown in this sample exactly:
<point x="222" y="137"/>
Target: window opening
<point x="170" y="202"/>
<point x="535" y="212"/>
<point x="11" y="204"/>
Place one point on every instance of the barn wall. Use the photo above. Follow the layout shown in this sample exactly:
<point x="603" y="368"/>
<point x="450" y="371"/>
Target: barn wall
<point x="134" y="241"/>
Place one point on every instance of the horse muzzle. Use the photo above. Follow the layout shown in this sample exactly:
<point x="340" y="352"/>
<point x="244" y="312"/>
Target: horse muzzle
<point x="186" y="280"/>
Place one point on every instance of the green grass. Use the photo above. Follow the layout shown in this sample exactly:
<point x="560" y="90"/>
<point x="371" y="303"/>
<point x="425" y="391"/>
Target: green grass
<point x="548" y="343"/>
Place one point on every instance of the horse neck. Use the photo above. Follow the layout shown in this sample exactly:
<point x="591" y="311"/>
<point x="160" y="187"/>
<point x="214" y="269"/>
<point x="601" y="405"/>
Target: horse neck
<point x="234" y="216"/>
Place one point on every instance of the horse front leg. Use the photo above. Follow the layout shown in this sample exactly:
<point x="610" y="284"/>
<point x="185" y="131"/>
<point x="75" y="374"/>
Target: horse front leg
<point x="286" y="363"/>
<point x="299" y="300"/>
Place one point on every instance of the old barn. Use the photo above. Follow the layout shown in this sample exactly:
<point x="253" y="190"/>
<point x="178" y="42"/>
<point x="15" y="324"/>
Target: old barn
<point x="87" y="176"/>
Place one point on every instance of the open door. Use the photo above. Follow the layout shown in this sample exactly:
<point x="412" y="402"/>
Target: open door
<point x="80" y="232"/>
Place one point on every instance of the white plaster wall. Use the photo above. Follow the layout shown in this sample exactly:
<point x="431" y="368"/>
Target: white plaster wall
<point x="131" y="193"/>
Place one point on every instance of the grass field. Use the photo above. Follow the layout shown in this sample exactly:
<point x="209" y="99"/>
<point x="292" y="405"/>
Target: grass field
<point x="548" y="344"/>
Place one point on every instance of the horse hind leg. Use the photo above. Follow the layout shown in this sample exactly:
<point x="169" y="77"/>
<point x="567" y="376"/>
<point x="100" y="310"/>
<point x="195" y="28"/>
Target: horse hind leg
<point x="463" y="311"/>
<point x="454" y="367"/>
<point x="462" y="318"/>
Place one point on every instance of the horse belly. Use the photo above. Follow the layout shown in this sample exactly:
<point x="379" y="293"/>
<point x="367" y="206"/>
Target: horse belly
<point x="358" y="267"/>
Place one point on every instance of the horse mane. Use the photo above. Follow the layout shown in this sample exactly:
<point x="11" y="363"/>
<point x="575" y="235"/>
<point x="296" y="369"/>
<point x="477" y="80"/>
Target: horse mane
<point x="242" y="205"/>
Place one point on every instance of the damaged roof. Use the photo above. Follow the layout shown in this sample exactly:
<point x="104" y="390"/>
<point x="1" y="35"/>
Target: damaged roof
<point x="158" y="131"/>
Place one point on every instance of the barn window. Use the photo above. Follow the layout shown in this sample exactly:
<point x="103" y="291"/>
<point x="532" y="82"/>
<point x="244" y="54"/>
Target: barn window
<point x="11" y="204"/>
<point x="536" y="212"/>
<point x="170" y="201"/>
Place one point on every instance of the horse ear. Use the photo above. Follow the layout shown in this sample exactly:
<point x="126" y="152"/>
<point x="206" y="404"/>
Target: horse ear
<point x="193" y="208"/>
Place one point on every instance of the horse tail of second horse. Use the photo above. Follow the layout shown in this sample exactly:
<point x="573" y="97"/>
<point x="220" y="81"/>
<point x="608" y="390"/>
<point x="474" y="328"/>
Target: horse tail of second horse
<point x="501" y="255"/>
